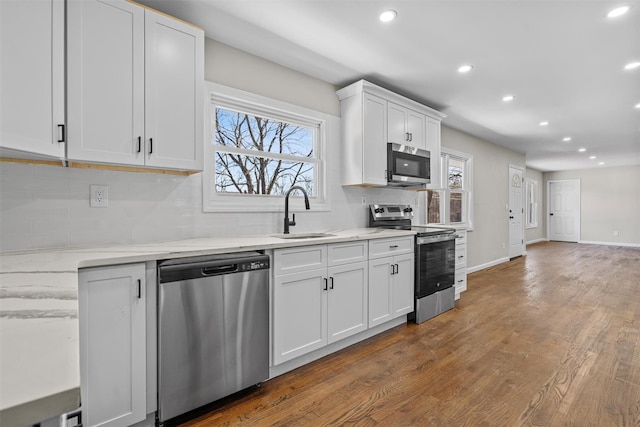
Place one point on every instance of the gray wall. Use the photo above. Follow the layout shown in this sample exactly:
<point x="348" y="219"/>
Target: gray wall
<point x="489" y="240"/>
<point x="609" y="202"/>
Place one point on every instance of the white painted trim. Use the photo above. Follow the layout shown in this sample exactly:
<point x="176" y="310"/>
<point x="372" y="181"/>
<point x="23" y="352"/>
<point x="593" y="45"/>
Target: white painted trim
<point x="542" y="239"/>
<point x="593" y="242"/>
<point x="487" y="265"/>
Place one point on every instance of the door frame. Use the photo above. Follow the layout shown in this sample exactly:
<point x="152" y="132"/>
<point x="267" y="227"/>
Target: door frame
<point x="578" y="202"/>
<point x="522" y="223"/>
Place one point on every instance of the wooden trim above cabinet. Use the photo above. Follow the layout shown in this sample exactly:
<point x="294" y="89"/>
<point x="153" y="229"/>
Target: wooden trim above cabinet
<point x="79" y="165"/>
<point x="165" y="14"/>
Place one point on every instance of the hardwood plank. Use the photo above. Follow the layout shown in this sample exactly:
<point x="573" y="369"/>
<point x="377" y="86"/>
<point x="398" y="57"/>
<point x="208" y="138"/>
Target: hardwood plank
<point x="548" y="339"/>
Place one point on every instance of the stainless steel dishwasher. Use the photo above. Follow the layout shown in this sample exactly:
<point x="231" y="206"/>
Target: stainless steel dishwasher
<point x="213" y="329"/>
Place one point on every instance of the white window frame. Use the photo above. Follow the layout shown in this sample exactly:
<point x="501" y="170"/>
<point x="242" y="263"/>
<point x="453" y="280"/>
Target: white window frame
<point x="531" y="202"/>
<point x="467" y="188"/>
<point x="234" y="99"/>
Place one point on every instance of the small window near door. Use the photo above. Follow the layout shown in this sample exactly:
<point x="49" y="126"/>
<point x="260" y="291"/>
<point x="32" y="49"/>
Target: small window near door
<point x="531" y="205"/>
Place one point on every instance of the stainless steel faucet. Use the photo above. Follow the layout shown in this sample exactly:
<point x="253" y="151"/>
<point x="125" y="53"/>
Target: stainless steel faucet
<point x="290" y="223"/>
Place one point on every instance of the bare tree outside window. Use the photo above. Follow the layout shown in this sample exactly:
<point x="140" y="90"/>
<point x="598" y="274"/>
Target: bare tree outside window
<point x="257" y="155"/>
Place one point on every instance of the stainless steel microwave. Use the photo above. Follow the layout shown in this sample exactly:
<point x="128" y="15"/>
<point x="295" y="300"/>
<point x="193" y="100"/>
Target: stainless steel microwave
<point x="407" y="166"/>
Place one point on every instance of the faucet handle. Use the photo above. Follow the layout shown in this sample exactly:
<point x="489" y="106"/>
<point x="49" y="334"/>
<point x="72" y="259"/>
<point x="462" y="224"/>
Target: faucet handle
<point x="293" y="221"/>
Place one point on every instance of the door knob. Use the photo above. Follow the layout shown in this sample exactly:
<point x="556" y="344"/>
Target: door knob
<point x="510" y="217"/>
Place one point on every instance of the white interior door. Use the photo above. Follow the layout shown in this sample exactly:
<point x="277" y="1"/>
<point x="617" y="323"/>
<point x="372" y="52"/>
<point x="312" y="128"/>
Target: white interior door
<point x="564" y="210"/>
<point x="516" y="212"/>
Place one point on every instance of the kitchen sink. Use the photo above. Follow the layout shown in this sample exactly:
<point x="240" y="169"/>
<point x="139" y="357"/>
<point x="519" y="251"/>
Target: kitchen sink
<point x="303" y="236"/>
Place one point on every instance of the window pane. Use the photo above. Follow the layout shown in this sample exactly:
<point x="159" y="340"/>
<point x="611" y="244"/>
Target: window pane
<point x="236" y="173"/>
<point x="455" y="207"/>
<point x="433" y="207"/>
<point x="249" y="132"/>
<point x="455" y="174"/>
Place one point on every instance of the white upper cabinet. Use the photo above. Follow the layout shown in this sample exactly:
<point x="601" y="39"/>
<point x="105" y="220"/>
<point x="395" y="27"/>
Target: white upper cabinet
<point x="106" y="82"/>
<point x="373" y="116"/>
<point x="405" y="126"/>
<point x="134" y="86"/>
<point x="32" y="78"/>
<point x="174" y="64"/>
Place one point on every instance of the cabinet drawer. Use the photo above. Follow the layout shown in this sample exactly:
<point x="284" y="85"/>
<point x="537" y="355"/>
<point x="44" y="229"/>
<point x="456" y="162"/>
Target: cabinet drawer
<point x="298" y="259"/>
<point x="344" y="253"/>
<point x="461" y="237"/>
<point x="461" y="260"/>
<point x="460" y="282"/>
<point x="389" y="247"/>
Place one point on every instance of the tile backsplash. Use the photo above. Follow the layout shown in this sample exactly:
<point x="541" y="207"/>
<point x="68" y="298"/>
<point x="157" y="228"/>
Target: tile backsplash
<point x="48" y="206"/>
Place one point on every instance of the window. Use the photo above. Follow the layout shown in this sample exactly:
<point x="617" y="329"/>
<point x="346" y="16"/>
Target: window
<point x="452" y="203"/>
<point x="258" y="149"/>
<point x="531" y="205"/>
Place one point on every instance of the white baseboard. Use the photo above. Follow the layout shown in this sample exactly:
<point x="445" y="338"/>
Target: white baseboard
<point x="590" y="242"/>
<point x="487" y="265"/>
<point x="542" y="239"/>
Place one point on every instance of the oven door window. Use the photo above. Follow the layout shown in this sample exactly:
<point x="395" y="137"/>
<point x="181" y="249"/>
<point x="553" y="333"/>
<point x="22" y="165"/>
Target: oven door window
<point x="436" y="267"/>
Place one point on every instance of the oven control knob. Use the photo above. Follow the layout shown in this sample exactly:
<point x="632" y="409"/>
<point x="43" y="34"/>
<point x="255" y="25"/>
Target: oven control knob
<point x="379" y="210"/>
<point x="408" y="210"/>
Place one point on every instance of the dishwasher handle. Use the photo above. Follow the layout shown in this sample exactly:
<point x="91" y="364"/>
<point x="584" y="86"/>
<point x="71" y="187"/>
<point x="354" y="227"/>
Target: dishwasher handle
<point x="219" y="269"/>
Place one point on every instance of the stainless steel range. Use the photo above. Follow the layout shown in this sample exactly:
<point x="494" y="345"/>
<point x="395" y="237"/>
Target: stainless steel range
<point x="434" y="259"/>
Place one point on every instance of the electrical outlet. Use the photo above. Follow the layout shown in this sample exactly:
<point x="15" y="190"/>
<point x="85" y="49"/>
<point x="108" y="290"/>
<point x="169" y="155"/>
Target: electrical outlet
<point x="364" y="201"/>
<point x="616" y="234"/>
<point x="99" y="196"/>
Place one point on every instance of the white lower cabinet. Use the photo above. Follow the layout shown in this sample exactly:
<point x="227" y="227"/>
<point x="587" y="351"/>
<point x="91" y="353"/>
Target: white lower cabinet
<point x="321" y="305"/>
<point x="461" y="263"/>
<point x="113" y="345"/>
<point x="391" y="279"/>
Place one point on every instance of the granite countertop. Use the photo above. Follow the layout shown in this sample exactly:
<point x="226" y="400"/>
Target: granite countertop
<point x="39" y="347"/>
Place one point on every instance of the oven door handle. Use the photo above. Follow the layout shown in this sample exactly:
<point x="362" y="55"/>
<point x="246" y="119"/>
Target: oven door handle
<point x="434" y="239"/>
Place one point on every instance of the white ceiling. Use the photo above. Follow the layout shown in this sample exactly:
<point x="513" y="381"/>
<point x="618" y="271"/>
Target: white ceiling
<point x="563" y="60"/>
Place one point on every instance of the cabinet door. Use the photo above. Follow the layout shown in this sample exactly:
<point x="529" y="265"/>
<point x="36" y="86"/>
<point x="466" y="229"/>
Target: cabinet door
<point x="416" y="127"/>
<point x="402" y="291"/>
<point x="380" y="280"/>
<point x="105" y="54"/>
<point x="299" y="314"/>
<point x="112" y="345"/>
<point x="174" y="76"/>
<point x="432" y="144"/>
<point x="32" y="76"/>
<point x="347" y="302"/>
<point x="374" y="156"/>
<point x="397" y="124"/>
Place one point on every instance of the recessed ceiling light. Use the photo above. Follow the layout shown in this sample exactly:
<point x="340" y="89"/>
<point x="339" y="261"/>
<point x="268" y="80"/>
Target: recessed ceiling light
<point x="582" y="150"/>
<point x="638" y="105"/>
<point x="388" y="15"/>
<point x="545" y="123"/>
<point x="632" y="65"/>
<point x="592" y="157"/>
<point x="618" y="12"/>
<point x="508" y="98"/>
<point x="601" y="163"/>
<point x="465" y="68"/>
<point x="566" y="139"/>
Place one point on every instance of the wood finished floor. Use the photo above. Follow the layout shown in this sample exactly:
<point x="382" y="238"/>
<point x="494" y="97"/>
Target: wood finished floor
<point x="549" y="339"/>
